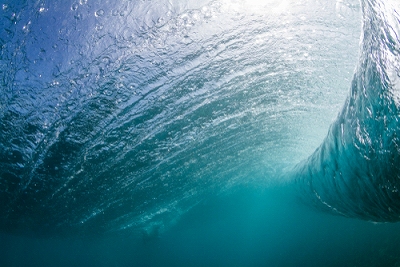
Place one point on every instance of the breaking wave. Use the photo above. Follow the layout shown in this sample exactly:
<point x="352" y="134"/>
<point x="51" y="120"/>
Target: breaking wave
<point x="126" y="115"/>
<point x="356" y="171"/>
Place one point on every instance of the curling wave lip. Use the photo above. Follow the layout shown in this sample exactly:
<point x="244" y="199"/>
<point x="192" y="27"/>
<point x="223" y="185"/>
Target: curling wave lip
<point x="356" y="170"/>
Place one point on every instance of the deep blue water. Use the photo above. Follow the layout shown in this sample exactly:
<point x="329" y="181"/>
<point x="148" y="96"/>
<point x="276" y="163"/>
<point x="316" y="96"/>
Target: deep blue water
<point x="211" y="133"/>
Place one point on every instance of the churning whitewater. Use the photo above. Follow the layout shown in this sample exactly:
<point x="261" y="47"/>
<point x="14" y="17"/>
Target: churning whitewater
<point x="126" y="115"/>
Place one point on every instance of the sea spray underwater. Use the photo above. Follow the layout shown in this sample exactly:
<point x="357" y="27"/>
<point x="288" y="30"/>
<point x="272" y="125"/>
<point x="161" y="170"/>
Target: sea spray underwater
<point x="179" y="121"/>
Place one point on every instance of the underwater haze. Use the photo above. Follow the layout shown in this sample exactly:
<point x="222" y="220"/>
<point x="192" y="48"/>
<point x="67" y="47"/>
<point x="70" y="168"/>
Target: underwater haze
<point x="200" y="133"/>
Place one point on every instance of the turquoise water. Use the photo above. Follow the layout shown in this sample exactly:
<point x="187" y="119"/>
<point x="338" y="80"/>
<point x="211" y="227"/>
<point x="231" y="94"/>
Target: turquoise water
<point x="136" y="133"/>
<point x="246" y="229"/>
<point x="355" y="171"/>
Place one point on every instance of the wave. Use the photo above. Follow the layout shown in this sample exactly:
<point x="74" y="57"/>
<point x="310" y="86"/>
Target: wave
<point x="356" y="170"/>
<point x="125" y="116"/>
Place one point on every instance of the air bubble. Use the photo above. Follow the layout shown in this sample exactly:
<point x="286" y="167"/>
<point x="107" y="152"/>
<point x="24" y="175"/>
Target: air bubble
<point x="99" y="27"/>
<point x="115" y="12"/>
<point x="206" y="12"/>
<point x="74" y="6"/>
<point x="26" y="27"/>
<point x="78" y="16"/>
<point x="54" y="83"/>
<point x="99" y="13"/>
<point x="108" y="92"/>
<point x="160" y="20"/>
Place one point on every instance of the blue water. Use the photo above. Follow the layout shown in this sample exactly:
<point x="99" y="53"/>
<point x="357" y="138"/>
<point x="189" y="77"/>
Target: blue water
<point x="179" y="133"/>
<point x="355" y="172"/>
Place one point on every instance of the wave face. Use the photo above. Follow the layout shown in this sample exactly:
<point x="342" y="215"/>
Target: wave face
<point x="126" y="114"/>
<point x="356" y="170"/>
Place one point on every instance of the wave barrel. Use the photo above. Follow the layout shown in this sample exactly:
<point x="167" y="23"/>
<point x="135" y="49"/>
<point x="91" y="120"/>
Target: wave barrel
<point x="356" y="170"/>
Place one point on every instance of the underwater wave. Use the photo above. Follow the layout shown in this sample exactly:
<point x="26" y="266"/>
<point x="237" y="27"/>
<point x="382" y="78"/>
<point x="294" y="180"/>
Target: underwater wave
<point x="356" y="171"/>
<point x="125" y="116"/>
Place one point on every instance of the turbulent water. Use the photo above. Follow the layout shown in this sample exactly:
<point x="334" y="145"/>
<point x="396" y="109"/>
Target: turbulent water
<point x="182" y="122"/>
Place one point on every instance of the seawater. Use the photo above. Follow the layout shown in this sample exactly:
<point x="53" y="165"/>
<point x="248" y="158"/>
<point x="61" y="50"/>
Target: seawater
<point x="136" y="133"/>
<point x="245" y="229"/>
